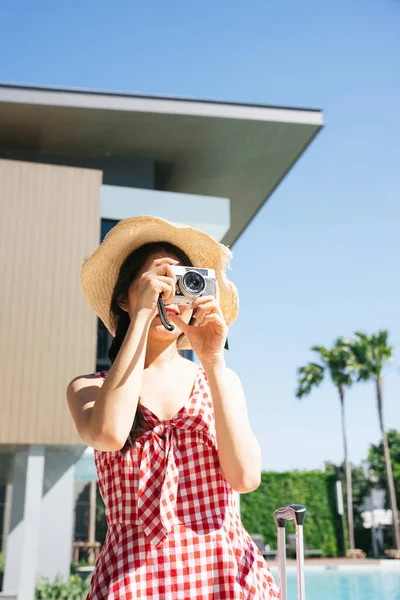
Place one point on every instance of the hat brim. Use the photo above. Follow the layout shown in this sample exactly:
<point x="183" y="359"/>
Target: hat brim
<point x="100" y="271"/>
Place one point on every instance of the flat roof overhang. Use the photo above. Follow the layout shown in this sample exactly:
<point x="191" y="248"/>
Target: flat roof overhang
<point x="236" y="151"/>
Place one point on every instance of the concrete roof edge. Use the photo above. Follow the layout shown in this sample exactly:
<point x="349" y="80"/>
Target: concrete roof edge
<point x="277" y="184"/>
<point x="93" y="99"/>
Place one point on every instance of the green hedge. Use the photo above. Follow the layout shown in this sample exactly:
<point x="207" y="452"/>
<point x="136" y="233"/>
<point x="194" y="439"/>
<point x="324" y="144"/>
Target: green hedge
<point x="314" y="489"/>
<point x="74" y="589"/>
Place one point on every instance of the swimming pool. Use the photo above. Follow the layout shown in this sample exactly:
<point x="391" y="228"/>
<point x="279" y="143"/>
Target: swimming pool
<point x="355" y="584"/>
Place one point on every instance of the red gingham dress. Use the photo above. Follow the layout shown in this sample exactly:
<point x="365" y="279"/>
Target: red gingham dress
<point x="173" y="529"/>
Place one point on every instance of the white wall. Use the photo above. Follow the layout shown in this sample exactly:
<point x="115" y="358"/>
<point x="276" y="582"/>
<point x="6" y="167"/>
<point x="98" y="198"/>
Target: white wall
<point x="208" y="213"/>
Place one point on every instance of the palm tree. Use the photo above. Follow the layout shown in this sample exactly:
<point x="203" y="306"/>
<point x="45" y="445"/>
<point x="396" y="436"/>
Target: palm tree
<point x="369" y="354"/>
<point x="335" y="362"/>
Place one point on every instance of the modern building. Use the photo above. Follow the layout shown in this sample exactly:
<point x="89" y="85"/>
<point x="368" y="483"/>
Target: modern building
<point x="72" y="163"/>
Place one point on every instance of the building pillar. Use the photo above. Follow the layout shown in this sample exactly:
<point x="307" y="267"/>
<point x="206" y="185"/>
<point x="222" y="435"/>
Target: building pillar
<point x="57" y="512"/>
<point x="92" y="519"/>
<point x="6" y="516"/>
<point x="23" y="536"/>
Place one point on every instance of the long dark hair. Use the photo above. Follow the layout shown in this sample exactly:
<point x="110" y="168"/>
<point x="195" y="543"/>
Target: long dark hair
<point x="121" y="319"/>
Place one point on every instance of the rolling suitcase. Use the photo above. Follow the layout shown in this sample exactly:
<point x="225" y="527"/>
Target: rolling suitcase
<point x="282" y="515"/>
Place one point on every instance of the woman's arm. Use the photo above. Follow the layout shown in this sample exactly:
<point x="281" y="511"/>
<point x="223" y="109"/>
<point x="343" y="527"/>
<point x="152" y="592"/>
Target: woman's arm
<point x="238" y="449"/>
<point x="104" y="415"/>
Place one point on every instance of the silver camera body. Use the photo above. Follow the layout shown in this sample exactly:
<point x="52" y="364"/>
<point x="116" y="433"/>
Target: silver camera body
<point x="192" y="282"/>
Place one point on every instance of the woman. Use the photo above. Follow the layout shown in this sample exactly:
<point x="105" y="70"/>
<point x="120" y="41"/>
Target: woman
<point x="172" y="440"/>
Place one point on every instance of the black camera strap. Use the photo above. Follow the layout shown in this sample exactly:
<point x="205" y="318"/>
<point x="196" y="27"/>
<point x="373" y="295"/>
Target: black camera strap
<point x="163" y="315"/>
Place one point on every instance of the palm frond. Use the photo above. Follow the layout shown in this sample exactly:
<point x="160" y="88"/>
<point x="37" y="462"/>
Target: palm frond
<point x="370" y="353"/>
<point x="309" y="376"/>
<point x="337" y="360"/>
<point x="322" y="351"/>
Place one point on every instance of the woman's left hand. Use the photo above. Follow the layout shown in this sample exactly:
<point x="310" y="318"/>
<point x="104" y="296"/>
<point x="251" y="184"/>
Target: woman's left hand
<point x="208" y="334"/>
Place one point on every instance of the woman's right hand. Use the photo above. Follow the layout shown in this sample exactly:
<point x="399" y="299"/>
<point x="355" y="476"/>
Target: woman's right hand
<point x="159" y="279"/>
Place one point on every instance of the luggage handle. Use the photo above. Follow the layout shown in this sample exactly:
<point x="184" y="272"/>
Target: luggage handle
<point x="297" y="513"/>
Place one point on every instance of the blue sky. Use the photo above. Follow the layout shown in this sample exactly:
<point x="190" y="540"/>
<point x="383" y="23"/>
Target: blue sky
<point x="322" y="256"/>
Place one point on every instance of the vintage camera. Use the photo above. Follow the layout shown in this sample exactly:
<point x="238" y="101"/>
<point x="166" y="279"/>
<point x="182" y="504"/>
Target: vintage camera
<point x="191" y="283"/>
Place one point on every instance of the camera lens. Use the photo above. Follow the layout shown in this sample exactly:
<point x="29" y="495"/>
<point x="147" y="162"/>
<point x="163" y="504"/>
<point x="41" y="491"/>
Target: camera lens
<point x="193" y="283"/>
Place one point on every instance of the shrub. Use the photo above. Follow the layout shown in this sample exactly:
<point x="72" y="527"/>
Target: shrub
<point x="74" y="589"/>
<point x="314" y="489"/>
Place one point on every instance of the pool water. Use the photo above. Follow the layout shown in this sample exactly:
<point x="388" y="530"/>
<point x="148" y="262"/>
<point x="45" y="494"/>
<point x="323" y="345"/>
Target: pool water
<point x="377" y="584"/>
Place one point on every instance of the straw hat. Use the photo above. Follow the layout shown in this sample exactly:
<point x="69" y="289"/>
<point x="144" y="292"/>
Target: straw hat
<point x="100" y="271"/>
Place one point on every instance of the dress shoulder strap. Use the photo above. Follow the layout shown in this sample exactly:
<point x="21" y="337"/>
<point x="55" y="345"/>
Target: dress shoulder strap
<point x="102" y="374"/>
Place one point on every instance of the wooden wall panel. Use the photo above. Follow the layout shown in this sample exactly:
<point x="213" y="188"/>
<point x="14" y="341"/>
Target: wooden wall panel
<point x="49" y="222"/>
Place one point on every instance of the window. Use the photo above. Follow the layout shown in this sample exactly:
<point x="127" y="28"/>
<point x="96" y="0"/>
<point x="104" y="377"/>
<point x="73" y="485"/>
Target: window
<point x="104" y="337"/>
